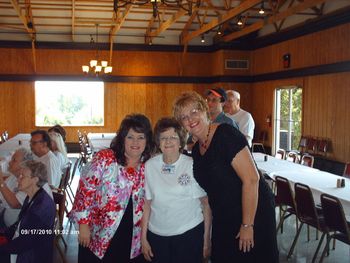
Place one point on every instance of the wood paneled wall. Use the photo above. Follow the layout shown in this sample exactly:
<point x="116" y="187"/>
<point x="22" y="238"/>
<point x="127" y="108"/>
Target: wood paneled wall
<point x="325" y="97"/>
<point x="324" y="47"/>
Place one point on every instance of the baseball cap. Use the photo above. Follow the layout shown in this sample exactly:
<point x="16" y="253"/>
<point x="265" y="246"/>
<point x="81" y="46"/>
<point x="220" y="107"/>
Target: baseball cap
<point x="218" y="92"/>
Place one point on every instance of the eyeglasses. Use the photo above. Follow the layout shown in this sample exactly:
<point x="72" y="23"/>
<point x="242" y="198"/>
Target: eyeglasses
<point x="35" y="142"/>
<point x="194" y="114"/>
<point x="173" y="138"/>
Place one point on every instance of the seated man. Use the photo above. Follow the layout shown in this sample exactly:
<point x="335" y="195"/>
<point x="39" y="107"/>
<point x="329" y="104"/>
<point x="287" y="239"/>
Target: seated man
<point x="40" y="145"/>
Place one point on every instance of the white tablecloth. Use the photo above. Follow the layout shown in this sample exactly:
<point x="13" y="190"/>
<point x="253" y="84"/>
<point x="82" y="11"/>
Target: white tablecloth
<point x="318" y="181"/>
<point x="99" y="141"/>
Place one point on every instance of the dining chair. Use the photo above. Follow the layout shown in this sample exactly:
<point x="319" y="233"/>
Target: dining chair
<point x="308" y="214"/>
<point x="284" y="199"/>
<point x="307" y="160"/>
<point x="322" y="147"/>
<point x="258" y="145"/>
<point x="292" y="157"/>
<point x="347" y="170"/>
<point x="302" y="144"/>
<point x="311" y="146"/>
<point x="280" y="154"/>
<point x="335" y="220"/>
<point x="59" y="199"/>
<point x="74" y="171"/>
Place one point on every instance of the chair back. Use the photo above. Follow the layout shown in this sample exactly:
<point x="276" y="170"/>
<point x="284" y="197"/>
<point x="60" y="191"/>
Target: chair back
<point x="65" y="177"/>
<point x="311" y="146"/>
<point x="334" y="215"/>
<point x="74" y="170"/>
<point x="292" y="157"/>
<point x="284" y="191"/>
<point x="347" y="170"/>
<point x="307" y="160"/>
<point x="306" y="210"/>
<point x="302" y="144"/>
<point x="280" y="154"/>
<point x="322" y="147"/>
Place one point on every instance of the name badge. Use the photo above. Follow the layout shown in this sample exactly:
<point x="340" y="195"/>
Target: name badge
<point x="168" y="169"/>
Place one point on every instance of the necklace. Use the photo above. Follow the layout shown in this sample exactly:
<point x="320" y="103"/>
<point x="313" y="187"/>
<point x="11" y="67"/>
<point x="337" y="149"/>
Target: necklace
<point x="204" y="145"/>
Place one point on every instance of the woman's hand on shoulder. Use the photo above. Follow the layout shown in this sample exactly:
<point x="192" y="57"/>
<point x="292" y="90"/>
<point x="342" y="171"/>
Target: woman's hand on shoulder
<point x="146" y="250"/>
<point x="84" y="235"/>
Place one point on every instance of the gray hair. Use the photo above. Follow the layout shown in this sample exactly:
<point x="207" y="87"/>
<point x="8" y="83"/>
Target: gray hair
<point x="38" y="170"/>
<point x="234" y="93"/>
<point x="27" y="154"/>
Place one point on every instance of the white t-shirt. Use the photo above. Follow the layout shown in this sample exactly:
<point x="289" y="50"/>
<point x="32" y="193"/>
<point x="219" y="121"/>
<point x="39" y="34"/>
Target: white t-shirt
<point x="245" y="123"/>
<point x="174" y="195"/>
<point x="62" y="160"/>
<point x="54" y="172"/>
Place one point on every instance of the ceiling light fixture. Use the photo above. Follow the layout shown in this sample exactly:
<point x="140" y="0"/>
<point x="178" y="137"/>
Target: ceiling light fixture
<point x="240" y="21"/>
<point x="202" y="39"/>
<point x="97" y="66"/>
<point x="262" y="9"/>
<point x="186" y="5"/>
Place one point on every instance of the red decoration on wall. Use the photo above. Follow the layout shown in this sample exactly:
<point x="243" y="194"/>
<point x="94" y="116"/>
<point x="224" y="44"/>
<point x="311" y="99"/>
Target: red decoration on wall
<point x="286" y="60"/>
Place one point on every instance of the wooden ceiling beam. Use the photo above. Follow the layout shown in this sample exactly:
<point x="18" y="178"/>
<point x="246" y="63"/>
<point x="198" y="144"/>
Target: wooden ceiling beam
<point x="118" y="22"/>
<point x="222" y="19"/>
<point x="28" y="23"/>
<point x="166" y="24"/>
<point x="273" y="19"/>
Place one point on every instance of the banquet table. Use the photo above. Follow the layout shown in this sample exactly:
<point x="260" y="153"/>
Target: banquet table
<point x="319" y="181"/>
<point x="99" y="141"/>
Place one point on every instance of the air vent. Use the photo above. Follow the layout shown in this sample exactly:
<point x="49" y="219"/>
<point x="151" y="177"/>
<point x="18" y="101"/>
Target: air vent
<point x="236" y="64"/>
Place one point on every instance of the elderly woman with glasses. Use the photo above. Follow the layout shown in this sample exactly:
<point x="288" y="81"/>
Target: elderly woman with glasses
<point x="109" y="202"/>
<point x="173" y="230"/>
<point x="244" y="227"/>
<point x="30" y="238"/>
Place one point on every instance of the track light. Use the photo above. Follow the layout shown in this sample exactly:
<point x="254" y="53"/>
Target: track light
<point x="262" y="10"/>
<point x="240" y="21"/>
<point x="202" y="39"/>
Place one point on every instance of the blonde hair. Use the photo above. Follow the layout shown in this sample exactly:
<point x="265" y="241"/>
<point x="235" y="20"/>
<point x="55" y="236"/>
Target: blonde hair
<point x="57" y="138"/>
<point x="189" y="98"/>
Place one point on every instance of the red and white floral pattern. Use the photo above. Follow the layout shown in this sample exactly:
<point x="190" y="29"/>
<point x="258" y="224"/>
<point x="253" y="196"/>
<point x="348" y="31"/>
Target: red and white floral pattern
<point x="104" y="190"/>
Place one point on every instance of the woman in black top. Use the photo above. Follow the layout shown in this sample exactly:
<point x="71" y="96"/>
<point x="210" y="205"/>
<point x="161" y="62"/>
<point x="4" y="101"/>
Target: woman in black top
<point x="244" y="227"/>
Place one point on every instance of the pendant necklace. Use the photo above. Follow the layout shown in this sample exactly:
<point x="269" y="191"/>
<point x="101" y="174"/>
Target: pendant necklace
<point x="204" y="145"/>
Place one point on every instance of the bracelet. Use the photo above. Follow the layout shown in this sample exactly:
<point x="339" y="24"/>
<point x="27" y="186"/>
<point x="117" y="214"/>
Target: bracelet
<point x="247" y="225"/>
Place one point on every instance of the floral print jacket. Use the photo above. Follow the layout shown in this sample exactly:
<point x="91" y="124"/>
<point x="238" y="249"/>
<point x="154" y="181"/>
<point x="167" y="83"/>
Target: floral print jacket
<point x="104" y="190"/>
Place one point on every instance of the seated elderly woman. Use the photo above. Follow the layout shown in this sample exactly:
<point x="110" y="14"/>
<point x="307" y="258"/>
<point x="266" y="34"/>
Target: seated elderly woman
<point x="30" y="239"/>
<point x="58" y="147"/>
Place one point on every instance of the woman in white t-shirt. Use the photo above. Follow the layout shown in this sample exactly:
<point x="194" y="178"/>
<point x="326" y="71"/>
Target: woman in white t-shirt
<point x="58" y="147"/>
<point x="177" y="219"/>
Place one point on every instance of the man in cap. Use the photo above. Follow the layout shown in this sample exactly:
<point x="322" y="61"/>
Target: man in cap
<point x="216" y="99"/>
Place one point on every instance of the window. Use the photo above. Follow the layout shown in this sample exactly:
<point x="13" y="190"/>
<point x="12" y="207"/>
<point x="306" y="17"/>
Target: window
<point x="288" y="113"/>
<point x="69" y="103"/>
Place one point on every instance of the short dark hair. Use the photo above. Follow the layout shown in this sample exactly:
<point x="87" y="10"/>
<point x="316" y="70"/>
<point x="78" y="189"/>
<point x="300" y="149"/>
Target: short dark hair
<point x="139" y="123"/>
<point x="45" y="136"/>
<point x="218" y="92"/>
<point x="165" y="124"/>
<point x="59" y="129"/>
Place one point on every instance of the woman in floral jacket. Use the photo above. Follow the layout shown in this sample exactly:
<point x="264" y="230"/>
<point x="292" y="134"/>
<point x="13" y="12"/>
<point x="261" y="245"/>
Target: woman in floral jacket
<point x="109" y="202"/>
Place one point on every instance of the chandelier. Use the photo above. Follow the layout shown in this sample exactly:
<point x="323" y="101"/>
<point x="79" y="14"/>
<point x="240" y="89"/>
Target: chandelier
<point x="186" y="5"/>
<point x="97" y="66"/>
